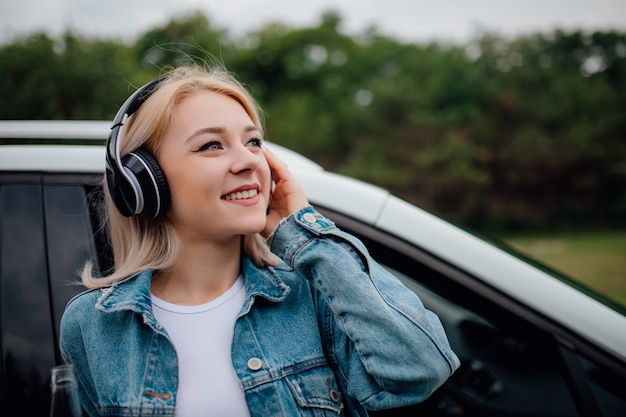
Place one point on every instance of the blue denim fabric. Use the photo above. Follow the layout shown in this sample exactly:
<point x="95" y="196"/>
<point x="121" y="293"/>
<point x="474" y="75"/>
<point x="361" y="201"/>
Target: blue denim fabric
<point x="327" y="332"/>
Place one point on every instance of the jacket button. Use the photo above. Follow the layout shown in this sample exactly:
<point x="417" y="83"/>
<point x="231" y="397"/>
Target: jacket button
<point x="309" y="218"/>
<point x="334" y="396"/>
<point x="254" y="364"/>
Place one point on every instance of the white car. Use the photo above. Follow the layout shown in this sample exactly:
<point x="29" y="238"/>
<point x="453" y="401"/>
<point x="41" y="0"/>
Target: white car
<point x="530" y="344"/>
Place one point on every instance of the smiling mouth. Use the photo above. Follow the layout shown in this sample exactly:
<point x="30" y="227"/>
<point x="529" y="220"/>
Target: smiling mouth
<point x="240" y="195"/>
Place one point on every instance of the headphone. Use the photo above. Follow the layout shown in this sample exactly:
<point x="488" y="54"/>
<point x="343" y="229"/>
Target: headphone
<point x="136" y="182"/>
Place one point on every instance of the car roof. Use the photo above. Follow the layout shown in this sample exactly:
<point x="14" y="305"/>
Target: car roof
<point x="356" y="199"/>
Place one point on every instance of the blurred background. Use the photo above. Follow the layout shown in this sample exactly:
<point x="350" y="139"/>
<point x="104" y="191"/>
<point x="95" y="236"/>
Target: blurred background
<point x="506" y="118"/>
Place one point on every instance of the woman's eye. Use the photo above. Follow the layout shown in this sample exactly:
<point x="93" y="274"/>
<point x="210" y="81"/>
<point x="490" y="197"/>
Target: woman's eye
<point x="210" y="146"/>
<point x="255" y="142"/>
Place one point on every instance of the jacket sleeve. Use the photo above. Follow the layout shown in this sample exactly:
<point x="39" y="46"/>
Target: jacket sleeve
<point x="388" y="350"/>
<point x="73" y="346"/>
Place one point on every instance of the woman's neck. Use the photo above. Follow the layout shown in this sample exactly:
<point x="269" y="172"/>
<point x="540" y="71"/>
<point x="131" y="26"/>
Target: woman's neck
<point x="203" y="272"/>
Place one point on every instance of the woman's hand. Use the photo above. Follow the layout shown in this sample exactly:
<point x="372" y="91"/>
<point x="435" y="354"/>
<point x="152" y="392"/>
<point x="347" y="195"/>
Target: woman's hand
<point x="287" y="197"/>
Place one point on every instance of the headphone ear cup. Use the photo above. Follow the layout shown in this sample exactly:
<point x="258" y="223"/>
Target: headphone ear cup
<point x="148" y="182"/>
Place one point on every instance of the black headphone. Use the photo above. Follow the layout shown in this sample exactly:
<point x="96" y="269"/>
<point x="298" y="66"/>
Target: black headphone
<point x="136" y="182"/>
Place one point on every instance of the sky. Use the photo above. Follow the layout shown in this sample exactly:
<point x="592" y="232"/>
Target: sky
<point x="406" y="20"/>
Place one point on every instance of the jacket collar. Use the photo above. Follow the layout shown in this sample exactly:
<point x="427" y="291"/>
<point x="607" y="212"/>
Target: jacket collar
<point x="133" y="293"/>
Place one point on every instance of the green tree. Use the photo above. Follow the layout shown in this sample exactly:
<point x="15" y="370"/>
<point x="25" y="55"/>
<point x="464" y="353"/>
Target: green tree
<point x="67" y="78"/>
<point x="495" y="133"/>
<point x="553" y="135"/>
<point x="29" y="68"/>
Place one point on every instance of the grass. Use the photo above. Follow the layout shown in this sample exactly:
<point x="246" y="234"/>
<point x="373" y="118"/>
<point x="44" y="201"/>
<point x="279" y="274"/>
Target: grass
<point x="597" y="259"/>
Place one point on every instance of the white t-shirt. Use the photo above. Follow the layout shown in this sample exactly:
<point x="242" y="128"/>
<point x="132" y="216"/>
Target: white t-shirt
<point x="202" y="336"/>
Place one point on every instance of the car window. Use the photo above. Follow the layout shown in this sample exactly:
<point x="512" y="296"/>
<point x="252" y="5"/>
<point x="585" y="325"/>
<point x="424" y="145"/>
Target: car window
<point x="27" y="336"/>
<point x="70" y="230"/>
<point x="47" y="229"/>
<point x="608" y="390"/>
<point x="505" y="370"/>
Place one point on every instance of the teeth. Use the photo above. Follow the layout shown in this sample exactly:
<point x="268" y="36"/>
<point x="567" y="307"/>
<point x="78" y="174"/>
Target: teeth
<point x="241" y="195"/>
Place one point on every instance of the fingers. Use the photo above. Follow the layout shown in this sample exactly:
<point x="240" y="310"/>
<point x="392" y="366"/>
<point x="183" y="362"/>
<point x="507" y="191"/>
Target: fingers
<point x="288" y="195"/>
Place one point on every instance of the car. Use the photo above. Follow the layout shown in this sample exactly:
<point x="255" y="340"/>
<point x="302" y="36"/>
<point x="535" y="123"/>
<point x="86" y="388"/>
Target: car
<point x="530" y="342"/>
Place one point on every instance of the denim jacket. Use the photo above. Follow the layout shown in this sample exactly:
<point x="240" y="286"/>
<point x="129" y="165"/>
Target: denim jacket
<point x="327" y="332"/>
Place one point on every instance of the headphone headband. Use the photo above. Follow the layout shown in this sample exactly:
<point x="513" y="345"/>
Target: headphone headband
<point x="136" y="183"/>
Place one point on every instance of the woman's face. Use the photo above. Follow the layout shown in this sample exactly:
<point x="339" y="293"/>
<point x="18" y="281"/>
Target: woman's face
<point x="217" y="173"/>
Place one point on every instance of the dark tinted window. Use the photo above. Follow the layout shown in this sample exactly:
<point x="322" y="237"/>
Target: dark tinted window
<point x="607" y="388"/>
<point x="27" y="336"/>
<point x="71" y="241"/>
<point x="47" y="230"/>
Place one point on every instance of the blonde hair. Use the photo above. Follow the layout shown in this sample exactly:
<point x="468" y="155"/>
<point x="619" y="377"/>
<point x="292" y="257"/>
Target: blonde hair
<point x="152" y="244"/>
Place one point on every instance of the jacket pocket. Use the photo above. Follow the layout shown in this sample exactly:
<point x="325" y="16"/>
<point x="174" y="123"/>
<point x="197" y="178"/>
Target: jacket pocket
<point x="316" y="389"/>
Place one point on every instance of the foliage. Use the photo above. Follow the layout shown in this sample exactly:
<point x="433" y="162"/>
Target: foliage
<point x="497" y="133"/>
<point x="67" y="78"/>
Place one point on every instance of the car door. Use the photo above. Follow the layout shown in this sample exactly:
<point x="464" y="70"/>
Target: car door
<point x="515" y="362"/>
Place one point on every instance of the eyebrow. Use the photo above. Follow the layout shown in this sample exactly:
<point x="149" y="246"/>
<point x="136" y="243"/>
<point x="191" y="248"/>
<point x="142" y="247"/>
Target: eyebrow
<point x="219" y="130"/>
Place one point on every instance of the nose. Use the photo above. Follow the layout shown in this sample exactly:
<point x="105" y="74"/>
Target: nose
<point x="246" y="159"/>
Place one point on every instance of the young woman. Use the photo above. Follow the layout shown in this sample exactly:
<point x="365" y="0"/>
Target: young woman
<point x="231" y="295"/>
